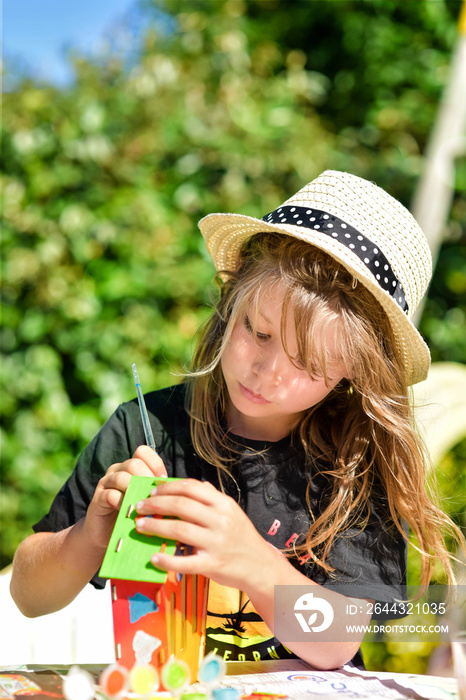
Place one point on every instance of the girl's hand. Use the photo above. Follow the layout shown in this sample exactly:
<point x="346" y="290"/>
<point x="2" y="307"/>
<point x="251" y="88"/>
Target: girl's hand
<point x="108" y="496"/>
<point x="228" y="548"/>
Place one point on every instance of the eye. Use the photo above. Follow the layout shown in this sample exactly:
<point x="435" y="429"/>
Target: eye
<point x="252" y="331"/>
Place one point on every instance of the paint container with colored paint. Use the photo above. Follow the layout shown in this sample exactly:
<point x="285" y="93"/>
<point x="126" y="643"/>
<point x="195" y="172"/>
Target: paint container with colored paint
<point x="212" y="670"/>
<point x="176" y="675"/>
<point x="226" y="694"/>
<point x="144" y="680"/>
<point x="78" y="685"/>
<point x="114" y="681"/>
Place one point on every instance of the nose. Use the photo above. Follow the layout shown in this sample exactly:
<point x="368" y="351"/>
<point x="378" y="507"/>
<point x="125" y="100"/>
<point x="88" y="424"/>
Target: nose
<point x="267" y="366"/>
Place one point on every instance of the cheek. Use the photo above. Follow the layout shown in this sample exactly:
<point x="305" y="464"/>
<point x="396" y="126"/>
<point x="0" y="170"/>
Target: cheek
<point x="306" y="391"/>
<point x="235" y="352"/>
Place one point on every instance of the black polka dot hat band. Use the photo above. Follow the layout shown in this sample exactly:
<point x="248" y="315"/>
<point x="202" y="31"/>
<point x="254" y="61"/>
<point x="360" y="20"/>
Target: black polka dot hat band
<point x="361" y="226"/>
<point x="348" y="236"/>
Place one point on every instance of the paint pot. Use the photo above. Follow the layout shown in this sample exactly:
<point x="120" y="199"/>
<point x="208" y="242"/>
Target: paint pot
<point x="78" y="684"/>
<point x="114" y="681"/>
<point x="226" y="694"/>
<point x="176" y="675"/>
<point x="143" y="679"/>
<point x="212" y="670"/>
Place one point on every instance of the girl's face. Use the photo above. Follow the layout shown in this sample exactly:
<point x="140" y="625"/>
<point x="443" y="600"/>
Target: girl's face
<point x="269" y="394"/>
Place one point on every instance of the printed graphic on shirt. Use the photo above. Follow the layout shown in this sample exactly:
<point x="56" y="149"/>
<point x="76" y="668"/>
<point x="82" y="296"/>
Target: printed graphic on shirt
<point x="232" y="619"/>
<point x="235" y="630"/>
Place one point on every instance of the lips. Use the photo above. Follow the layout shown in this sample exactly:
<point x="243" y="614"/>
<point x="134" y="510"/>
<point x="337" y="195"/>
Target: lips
<point x="251" y="396"/>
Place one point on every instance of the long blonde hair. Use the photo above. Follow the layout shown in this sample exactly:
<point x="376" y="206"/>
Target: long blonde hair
<point x="361" y="436"/>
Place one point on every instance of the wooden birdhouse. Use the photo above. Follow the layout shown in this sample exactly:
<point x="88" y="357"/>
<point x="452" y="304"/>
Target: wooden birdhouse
<point x="155" y="614"/>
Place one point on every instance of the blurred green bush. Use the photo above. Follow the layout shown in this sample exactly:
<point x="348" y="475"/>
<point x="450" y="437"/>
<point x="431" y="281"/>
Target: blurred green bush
<point x="231" y="106"/>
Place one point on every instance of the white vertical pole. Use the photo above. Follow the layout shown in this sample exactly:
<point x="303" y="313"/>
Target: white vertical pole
<point x="432" y="198"/>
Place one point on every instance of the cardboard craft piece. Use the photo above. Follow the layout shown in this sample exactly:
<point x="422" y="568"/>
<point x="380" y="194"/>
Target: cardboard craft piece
<point x="156" y="614"/>
<point x="129" y="552"/>
<point x="153" y="622"/>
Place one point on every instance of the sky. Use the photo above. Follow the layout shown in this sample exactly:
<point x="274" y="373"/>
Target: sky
<point x="36" y="32"/>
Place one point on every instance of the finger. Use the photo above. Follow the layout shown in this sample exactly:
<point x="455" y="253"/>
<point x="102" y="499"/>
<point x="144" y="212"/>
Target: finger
<point x="189" y="564"/>
<point x="181" y="507"/>
<point x="201" y="491"/>
<point x="116" y="480"/>
<point x="114" y="498"/>
<point x="134" y="466"/>
<point x="112" y="488"/>
<point x="152" y="459"/>
<point x="174" y="529"/>
<point x="131" y="466"/>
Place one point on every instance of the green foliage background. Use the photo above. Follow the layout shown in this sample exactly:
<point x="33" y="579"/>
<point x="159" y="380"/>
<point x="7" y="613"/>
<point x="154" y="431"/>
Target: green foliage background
<point x="221" y="105"/>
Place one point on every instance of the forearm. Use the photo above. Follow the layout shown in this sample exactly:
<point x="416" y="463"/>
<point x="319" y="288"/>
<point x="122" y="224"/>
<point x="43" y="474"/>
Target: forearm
<point x="51" y="568"/>
<point x="278" y="571"/>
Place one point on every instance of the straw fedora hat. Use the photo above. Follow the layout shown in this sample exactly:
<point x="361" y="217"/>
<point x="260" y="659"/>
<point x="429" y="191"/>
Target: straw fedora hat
<point x="361" y="226"/>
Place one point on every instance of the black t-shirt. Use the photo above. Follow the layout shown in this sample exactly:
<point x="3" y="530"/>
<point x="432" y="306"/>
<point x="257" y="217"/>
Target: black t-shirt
<point x="271" y="487"/>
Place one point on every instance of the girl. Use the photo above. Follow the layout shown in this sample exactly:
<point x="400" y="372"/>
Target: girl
<point x="293" y="429"/>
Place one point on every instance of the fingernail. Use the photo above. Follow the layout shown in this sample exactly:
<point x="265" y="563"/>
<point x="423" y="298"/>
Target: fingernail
<point x="139" y="505"/>
<point x="154" y="559"/>
<point x="154" y="491"/>
<point x="140" y="522"/>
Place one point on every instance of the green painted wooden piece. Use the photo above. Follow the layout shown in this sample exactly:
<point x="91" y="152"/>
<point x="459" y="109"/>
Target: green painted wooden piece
<point x="129" y="552"/>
